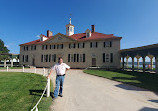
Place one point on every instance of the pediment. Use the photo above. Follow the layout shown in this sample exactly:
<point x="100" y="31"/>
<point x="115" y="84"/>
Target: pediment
<point x="59" y="38"/>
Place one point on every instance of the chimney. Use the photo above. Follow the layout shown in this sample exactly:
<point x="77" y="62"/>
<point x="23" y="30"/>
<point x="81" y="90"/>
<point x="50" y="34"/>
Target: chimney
<point x="49" y="33"/>
<point x="93" y="28"/>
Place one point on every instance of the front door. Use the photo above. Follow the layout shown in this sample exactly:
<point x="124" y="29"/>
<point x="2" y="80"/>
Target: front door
<point x="93" y="61"/>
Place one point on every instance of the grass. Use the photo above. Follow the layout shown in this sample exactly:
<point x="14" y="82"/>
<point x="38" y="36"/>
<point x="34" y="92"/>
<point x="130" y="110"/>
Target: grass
<point x="21" y="91"/>
<point x="143" y="80"/>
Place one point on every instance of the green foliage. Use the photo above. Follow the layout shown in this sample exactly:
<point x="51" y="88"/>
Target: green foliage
<point x="3" y="49"/>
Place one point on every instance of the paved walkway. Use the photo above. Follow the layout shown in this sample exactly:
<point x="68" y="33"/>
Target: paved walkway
<point x="83" y="92"/>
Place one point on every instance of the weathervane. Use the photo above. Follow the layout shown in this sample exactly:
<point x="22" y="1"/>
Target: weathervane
<point x="70" y="18"/>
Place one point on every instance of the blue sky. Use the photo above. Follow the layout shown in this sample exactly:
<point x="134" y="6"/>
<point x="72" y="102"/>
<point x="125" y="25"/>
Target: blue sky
<point x="22" y="21"/>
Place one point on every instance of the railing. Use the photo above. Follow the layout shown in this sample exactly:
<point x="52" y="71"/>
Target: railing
<point x="47" y="88"/>
<point x="48" y="94"/>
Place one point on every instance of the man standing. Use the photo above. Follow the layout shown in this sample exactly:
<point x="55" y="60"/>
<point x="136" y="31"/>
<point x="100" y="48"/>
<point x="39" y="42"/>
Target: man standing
<point x="60" y="69"/>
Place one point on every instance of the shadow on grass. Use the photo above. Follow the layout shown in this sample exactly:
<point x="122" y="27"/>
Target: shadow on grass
<point x="148" y="109"/>
<point x="143" y="80"/>
<point x="36" y="94"/>
<point x="155" y="101"/>
<point x="130" y="87"/>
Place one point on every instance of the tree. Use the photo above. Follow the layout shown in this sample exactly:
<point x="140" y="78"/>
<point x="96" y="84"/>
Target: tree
<point x="3" y="49"/>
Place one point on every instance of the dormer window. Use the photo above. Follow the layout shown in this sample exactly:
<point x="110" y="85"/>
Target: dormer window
<point x="88" y="33"/>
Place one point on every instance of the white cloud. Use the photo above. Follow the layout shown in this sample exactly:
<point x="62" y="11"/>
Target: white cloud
<point x="38" y="36"/>
<point x="7" y="46"/>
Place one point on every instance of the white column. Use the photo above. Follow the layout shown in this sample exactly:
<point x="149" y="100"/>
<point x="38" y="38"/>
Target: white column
<point x="137" y="63"/>
<point x="143" y="64"/>
<point x="44" y="71"/>
<point x="151" y="63"/>
<point x="156" y="64"/>
<point x="5" y="64"/>
<point x="22" y="68"/>
<point x="7" y="68"/>
<point x="123" y="63"/>
<point x="132" y="63"/>
<point x="126" y="62"/>
<point x="48" y="87"/>
<point x="35" y="69"/>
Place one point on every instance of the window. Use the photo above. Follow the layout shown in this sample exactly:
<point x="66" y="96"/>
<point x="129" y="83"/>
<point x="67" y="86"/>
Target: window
<point x="50" y="46"/>
<point x="107" y="57"/>
<point x="72" y="58"/>
<point x="72" y="45"/>
<point x="42" y="47"/>
<point x="70" y="29"/>
<point x="57" y="46"/>
<point x="24" y="48"/>
<point x="111" y="57"/>
<point x="81" y="58"/>
<point x="54" y="58"/>
<point x="93" y="44"/>
<point x="46" y="47"/>
<point x="108" y="44"/>
<point x="80" y="45"/>
<point x="32" y="47"/>
<point x="87" y="35"/>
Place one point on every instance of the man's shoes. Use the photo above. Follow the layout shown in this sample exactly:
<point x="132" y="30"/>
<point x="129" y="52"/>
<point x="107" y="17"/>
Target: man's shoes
<point x="60" y="95"/>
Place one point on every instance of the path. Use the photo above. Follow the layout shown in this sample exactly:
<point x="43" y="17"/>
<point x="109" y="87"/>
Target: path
<point x="83" y="92"/>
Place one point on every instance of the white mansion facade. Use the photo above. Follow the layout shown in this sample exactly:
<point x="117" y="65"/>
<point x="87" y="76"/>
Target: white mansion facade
<point x="77" y="50"/>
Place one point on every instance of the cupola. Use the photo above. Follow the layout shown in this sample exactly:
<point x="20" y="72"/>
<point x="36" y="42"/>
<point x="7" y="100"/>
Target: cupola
<point x="69" y="29"/>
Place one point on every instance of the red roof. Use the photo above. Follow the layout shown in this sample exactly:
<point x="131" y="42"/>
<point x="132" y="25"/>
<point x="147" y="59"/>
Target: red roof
<point x="80" y="37"/>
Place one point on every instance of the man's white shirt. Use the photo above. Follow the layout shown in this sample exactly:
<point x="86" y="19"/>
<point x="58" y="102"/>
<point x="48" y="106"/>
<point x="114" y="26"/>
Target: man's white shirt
<point x="60" y="68"/>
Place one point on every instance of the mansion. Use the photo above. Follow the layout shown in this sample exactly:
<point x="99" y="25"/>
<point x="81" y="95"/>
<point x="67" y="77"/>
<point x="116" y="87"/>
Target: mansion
<point x="80" y="50"/>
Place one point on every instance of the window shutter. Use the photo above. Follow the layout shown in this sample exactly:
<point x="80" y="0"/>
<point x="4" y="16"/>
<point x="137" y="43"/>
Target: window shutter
<point x="54" y="57"/>
<point x="42" y="58"/>
<point x="110" y="44"/>
<point x="68" y="57"/>
<point x="91" y="45"/>
<point x="77" y="57"/>
<point x="83" y="57"/>
<point x="74" y="57"/>
<point x="103" y="57"/>
<point x="111" y="57"/>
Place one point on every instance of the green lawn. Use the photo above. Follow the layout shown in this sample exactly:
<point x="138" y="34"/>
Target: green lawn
<point x="21" y="91"/>
<point x="147" y="81"/>
<point x="12" y="67"/>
